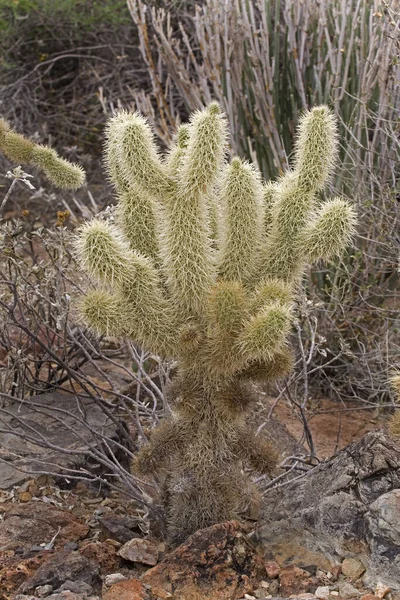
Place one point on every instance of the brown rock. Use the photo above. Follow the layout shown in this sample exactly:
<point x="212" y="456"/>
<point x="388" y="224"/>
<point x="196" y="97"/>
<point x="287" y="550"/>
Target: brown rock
<point x="142" y="551"/>
<point x="66" y="595"/>
<point x="14" y="571"/>
<point x="62" y="566"/>
<point x="272" y="569"/>
<point x="294" y="580"/>
<point x="121" y="528"/>
<point x="103" y="553"/>
<point x="368" y="597"/>
<point x="217" y="563"/>
<point x="24" y="496"/>
<point x="30" y="524"/>
<point x="352" y="568"/>
<point x="161" y="594"/>
<point x="132" y="589"/>
<point x="381" y="590"/>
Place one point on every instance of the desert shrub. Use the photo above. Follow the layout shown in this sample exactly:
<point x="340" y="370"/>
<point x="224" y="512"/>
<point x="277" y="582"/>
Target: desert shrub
<point x="61" y="60"/>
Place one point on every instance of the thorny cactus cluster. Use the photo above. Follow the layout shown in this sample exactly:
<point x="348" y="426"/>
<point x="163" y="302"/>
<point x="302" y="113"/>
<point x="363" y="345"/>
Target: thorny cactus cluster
<point x="19" y="149"/>
<point x="202" y="267"/>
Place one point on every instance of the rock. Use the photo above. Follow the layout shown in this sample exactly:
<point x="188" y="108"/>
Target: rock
<point x="78" y="587"/>
<point x="132" y="589"/>
<point x="381" y="590"/>
<point x="113" y="578"/>
<point x="274" y="587"/>
<point x="160" y="594"/>
<point x="71" y="546"/>
<point x="352" y="568"/>
<point x="121" y="528"/>
<point x="15" y="570"/>
<point x="217" y="563"/>
<point x="66" y="595"/>
<point x="103" y="553"/>
<point x="349" y="504"/>
<point x="322" y="592"/>
<point x="70" y="436"/>
<point x="368" y="597"/>
<point x="28" y="525"/>
<point x="272" y="569"/>
<point x="294" y="580"/>
<point x="142" y="551"/>
<point x="43" y="590"/>
<point x="61" y="567"/>
<point x="346" y="590"/>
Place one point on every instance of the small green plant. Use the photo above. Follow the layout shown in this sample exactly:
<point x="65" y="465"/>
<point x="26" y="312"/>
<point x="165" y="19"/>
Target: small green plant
<point x="202" y="267"/>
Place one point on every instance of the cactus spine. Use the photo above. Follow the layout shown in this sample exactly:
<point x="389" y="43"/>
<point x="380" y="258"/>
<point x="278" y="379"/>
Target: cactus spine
<point x="202" y="267"/>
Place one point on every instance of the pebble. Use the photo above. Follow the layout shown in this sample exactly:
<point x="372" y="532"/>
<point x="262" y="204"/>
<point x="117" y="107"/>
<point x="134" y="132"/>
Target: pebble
<point x="346" y="590"/>
<point x="274" y="587"/>
<point x="381" y="590"/>
<point x="352" y="568"/>
<point x="43" y="590"/>
<point x="322" y="592"/>
<point x="77" y="587"/>
<point x="141" y="551"/>
<point x="272" y="568"/>
<point x="113" y="578"/>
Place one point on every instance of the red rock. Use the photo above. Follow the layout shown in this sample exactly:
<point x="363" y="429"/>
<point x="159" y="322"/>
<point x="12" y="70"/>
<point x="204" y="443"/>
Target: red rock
<point x="60" y="567"/>
<point x="272" y="568"/>
<point x="132" y="589"/>
<point x="294" y="580"/>
<point x="104" y="553"/>
<point x="32" y="523"/>
<point x="142" y="551"/>
<point x="14" y="572"/>
<point x="217" y="563"/>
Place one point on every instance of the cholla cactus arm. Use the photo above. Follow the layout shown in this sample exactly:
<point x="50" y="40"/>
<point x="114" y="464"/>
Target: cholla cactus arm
<point x="174" y="158"/>
<point x="257" y="452"/>
<point x="105" y="254"/>
<point x="136" y="208"/>
<point x="242" y="221"/>
<point x="105" y="313"/>
<point x="166" y="441"/>
<point x="59" y="171"/>
<point x="265" y="333"/>
<point x="331" y="230"/>
<point x="138" y="155"/>
<point x="316" y="149"/>
<point x="186" y="239"/>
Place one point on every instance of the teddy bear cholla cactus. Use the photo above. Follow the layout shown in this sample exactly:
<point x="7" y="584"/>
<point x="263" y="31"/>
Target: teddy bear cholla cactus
<point x="202" y="267"/>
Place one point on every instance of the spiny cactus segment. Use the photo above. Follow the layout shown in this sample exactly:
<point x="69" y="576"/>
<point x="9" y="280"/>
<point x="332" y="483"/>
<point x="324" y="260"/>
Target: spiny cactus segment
<point x="19" y="149"/>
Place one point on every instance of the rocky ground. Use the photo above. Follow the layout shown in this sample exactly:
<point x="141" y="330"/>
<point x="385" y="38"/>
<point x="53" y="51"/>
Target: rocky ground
<point x="83" y="543"/>
<point x="80" y="545"/>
